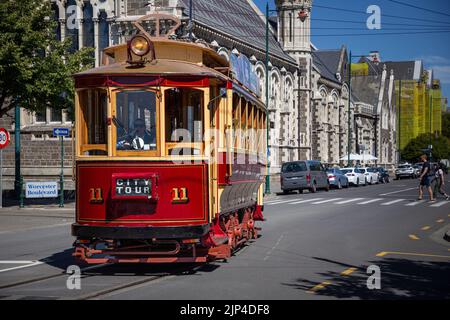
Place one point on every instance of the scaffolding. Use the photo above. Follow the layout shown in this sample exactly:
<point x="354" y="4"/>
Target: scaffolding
<point x="419" y="110"/>
<point x="360" y="69"/>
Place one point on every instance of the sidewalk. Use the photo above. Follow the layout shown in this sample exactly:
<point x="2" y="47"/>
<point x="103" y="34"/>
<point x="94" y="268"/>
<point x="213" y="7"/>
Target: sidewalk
<point x="15" y="219"/>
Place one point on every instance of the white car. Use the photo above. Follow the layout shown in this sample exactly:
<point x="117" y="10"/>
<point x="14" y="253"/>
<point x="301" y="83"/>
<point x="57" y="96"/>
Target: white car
<point x="372" y="176"/>
<point x="355" y="176"/>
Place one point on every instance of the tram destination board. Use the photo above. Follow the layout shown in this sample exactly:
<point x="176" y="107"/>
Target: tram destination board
<point x="132" y="187"/>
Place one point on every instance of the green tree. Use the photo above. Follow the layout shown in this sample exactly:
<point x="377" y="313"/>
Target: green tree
<point x="35" y="68"/>
<point x="446" y="124"/>
<point x="414" y="149"/>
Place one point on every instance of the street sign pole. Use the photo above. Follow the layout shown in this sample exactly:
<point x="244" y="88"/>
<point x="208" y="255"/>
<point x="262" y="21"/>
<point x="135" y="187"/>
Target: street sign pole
<point x="61" y="178"/>
<point x="4" y="141"/>
<point x="61" y="133"/>
<point x="1" y="178"/>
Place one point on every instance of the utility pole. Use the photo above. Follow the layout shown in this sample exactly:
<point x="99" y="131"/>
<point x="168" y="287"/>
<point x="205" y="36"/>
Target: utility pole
<point x="349" y="148"/>
<point x="399" y="120"/>
<point x="267" y="191"/>
<point x="431" y="123"/>
<point x="17" y="180"/>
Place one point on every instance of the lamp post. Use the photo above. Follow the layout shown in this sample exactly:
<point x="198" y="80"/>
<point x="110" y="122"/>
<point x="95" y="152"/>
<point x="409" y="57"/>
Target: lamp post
<point x="267" y="191"/>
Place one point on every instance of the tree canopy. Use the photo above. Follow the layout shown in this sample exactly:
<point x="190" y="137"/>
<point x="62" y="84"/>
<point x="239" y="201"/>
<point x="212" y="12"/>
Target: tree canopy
<point x="446" y="124"/>
<point x="35" y="67"/>
<point x="415" y="148"/>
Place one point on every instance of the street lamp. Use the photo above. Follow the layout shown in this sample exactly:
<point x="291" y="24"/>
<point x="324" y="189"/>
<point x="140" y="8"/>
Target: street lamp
<point x="267" y="191"/>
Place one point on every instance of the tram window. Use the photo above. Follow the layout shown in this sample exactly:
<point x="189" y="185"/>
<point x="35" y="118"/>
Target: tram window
<point x="236" y="119"/>
<point x="93" y="122"/>
<point x="184" y="116"/>
<point x="136" y="121"/>
<point x="244" y="131"/>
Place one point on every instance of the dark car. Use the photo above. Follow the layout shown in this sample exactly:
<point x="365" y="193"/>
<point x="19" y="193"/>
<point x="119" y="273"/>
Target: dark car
<point x="304" y="175"/>
<point x="383" y="175"/>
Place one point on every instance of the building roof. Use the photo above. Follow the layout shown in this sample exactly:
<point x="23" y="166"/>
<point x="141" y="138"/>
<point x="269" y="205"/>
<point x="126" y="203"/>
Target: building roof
<point x="239" y="19"/>
<point x="366" y="89"/>
<point x="406" y="70"/>
<point x="327" y="63"/>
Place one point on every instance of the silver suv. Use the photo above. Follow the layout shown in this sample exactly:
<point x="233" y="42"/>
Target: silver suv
<point x="405" y="171"/>
<point x="304" y="175"/>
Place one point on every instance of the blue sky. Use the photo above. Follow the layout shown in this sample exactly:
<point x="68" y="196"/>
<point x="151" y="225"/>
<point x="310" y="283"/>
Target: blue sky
<point x="432" y="47"/>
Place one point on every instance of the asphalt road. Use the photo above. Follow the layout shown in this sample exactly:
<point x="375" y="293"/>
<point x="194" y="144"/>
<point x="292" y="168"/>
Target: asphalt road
<point x="312" y="246"/>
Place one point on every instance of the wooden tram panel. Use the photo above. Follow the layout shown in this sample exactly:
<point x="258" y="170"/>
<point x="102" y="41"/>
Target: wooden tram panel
<point x="220" y="198"/>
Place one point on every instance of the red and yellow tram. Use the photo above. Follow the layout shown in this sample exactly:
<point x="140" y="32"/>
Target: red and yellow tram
<point x="170" y="155"/>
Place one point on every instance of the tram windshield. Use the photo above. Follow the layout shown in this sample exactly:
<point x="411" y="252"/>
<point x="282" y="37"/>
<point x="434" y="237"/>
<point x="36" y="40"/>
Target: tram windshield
<point x="136" y="121"/>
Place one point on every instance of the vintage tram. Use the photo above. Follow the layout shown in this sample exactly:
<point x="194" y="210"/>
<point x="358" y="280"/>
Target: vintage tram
<point x="170" y="153"/>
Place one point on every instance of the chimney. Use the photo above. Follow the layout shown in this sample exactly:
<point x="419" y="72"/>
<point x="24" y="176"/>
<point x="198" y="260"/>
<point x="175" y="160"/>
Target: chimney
<point x="374" y="56"/>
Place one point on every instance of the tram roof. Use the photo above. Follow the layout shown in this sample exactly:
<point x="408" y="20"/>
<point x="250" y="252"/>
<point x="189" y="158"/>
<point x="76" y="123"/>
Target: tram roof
<point x="156" y="67"/>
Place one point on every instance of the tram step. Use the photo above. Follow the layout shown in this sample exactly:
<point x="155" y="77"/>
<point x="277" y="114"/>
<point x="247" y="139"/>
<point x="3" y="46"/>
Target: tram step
<point x="218" y="240"/>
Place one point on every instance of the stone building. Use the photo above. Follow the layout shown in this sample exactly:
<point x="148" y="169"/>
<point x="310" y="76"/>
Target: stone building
<point x="375" y="111"/>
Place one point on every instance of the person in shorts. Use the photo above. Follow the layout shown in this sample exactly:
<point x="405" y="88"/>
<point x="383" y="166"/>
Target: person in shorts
<point x="425" y="178"/>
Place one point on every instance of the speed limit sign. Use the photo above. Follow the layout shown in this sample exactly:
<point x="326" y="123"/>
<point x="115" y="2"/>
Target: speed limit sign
<point x="4" y="138"/>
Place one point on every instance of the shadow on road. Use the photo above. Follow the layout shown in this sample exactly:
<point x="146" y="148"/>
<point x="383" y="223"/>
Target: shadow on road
<point x="400" y="279"/>
<point x="62" y="260"/>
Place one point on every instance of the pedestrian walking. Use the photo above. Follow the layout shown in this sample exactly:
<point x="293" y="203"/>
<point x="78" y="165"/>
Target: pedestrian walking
<point x="439" y="182"/>
<point x="425" y="178"/>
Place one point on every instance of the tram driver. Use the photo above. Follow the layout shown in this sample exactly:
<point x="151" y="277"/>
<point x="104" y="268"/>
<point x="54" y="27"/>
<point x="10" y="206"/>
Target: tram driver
<point x="138" y="139"/>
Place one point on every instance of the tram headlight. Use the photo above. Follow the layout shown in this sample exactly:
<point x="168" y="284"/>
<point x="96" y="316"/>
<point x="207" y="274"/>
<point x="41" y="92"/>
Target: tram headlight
<point x="140" y="45"/>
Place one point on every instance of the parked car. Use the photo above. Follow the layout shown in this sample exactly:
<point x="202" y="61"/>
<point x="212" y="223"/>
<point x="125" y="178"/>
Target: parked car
<point x="304" y="175"/>
<point x="355" y="176"/>
<point x="405" y="171"/>
<point x="371" y="175"/>
<point x="337" y="178"/>
<point x="417" y="169"/>
<point x="383" y="175"/>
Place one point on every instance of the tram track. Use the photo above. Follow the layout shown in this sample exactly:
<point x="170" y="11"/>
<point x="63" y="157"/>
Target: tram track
<point x="135" y="284"/>
<point x="48" y="277"/>
<point x="106" y="291"/>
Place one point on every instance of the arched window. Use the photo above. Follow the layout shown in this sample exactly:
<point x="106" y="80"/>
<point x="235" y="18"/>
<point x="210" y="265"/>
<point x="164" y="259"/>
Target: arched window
<point x="261" y="73"/>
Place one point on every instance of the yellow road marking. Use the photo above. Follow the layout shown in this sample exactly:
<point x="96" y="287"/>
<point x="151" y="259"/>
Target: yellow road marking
<point x="382" y="254"/>
<point x="348" y="272"/>
<point x="385" y="253"/>
<point x="440" y="221"/>
<point x="414" y="237"/>
<point x="426" y="228"/>
<point x="319" y="286"/>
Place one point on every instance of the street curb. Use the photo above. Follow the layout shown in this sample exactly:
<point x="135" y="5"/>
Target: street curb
<point x="447" y="236"/>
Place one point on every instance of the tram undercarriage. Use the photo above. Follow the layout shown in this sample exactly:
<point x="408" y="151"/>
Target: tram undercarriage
<point x="226" y="235"/>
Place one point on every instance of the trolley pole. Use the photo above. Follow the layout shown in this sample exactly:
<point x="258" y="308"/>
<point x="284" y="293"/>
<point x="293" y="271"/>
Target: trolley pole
<point x="267" y="191"/>
<point x="61" y="178"/>
<point x="190" y="20"/>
